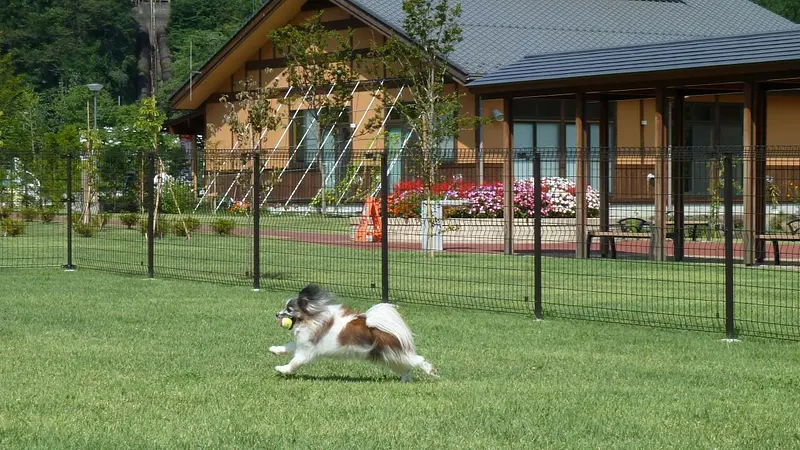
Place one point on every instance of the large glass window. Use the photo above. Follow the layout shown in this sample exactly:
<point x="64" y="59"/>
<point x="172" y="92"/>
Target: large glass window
<point x="540" y="124"/>
<point x="709" y="125"/>
<point x="332" y="147"/>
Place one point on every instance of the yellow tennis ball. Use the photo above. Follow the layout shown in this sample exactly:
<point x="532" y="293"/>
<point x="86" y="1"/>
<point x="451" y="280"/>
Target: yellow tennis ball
<point x="286" y="322"/>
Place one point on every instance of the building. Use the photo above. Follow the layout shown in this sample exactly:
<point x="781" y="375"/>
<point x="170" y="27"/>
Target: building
<point x="499" y="38"/>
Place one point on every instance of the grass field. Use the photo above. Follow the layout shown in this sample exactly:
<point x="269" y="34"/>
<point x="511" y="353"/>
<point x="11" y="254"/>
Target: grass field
<point x="680" y="295"/>
<point x="96" y="360"/>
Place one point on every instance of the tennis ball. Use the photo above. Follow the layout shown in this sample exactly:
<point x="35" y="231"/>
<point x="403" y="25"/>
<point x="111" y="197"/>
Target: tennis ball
<point x="286" y="323"/>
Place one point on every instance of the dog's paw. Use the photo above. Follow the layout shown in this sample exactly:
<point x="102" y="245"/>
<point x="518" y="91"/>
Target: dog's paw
<point x="277" y="350"/>
<point x="284" y="370"/>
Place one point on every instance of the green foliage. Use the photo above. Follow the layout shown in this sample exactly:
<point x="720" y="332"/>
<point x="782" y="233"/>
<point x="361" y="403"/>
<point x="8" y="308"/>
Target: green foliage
<point x="48" y="213"/>
<point x="433" y="114"/>
<point x="789" y="9"/>
<point x="182" y="224"/>
<point x="18" y="113"/>
<point x="29" y="213"/>
<point x="12" y="227"/>
<point x="85" y="229"/>
<point x="180" y="193"/>
<point x="205" y="26"/>
<point x="223" y="227"/>
<point x="66" y="43"/>
<point x="129" y="219"/>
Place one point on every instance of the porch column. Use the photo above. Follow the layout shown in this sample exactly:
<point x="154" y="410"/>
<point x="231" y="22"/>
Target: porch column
<point x="678" y="164"/>
<point x="750" y="169"/>
<point x="508" y="178"/>
<point x="582" y="177"/>
<point x="760" y="141"/>
<point x="660" y="220"/>
<point x="605" y="172"/>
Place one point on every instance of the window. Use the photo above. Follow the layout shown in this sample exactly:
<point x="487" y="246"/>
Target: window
<point x="548" y="127"/>
<point x="336" y="146"/>
<point x="708" y="125"/>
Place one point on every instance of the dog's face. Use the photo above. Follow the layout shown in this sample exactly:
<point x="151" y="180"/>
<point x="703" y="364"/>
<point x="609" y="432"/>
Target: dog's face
<point x="308" y="303"/>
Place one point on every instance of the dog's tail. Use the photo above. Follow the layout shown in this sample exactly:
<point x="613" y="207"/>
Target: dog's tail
<point x="385" y="317"/>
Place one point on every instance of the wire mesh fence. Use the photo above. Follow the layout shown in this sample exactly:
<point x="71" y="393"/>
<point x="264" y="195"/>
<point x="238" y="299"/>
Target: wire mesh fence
<point x="701" y="238"/>
<point x="32" y="215"/>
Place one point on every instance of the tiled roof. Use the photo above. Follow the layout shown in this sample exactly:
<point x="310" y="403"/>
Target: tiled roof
<point x="498" y="32"/>
<point x="704" y="53"/>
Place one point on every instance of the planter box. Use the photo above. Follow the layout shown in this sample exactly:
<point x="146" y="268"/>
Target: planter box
<point x="484" y="230"/>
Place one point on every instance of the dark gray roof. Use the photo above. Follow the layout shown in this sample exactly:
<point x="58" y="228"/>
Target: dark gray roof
<point x="499" y="32"/>
<point x="696" y="54"/>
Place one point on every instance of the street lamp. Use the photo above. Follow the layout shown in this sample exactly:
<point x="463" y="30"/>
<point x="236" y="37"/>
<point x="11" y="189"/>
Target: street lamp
<point x="95" y="88"/>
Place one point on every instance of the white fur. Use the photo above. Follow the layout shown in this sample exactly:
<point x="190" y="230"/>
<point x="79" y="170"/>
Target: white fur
<point x="383" y="317"/>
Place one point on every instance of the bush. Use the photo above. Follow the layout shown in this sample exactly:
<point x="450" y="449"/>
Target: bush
<point x="222" y="226"/>
<point x="103" y="219"/>
<point x="129" y="219"/>
<point x="162" y="226"/>
<point x="29" y="214"/>
<point x="86" y="229"/>
<point x="190" y="222"/>
<point x="12" y="227"/>
<point x="183" y="195"/>
<point x="5" y="213"/>
<point x="49" y="213"/>
<point x="776" y="222"/>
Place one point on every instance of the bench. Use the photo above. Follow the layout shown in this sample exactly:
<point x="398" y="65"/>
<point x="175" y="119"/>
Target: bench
<point x="695" y="224"/>
<point x="792" y="234"/>
<point x="629" y="228"/>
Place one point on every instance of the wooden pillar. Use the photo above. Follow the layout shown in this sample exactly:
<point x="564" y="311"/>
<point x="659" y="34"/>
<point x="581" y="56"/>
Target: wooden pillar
<point x="760" y="141"/>
<point x="660" y="220"/>
<point x="508" y="178"/>
<point x="605" y="172"/>
<point x="750" y="163"/>
<point x="582" y="176"/>
<point x="678" y="163"/>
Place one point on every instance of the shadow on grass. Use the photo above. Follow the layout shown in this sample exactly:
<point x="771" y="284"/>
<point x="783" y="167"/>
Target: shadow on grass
<point x="344" y="378"/>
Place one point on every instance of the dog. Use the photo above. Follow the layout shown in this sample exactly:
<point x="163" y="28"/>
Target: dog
<point x="324" y="329"/>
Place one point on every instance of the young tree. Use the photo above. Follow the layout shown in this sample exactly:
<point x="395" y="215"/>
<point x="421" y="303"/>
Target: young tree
<point x="261" y="116"/>
<point x="432" y="28"/>
<point x="319" y="71"/>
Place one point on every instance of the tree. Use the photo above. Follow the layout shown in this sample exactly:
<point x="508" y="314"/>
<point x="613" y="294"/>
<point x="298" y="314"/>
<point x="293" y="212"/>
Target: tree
<point x="432" y="28"/>
<point x="53" y="43"/>
<point x="789" y="9"/>
<point x="260" y="117"/>
<point x="319" y="71"/>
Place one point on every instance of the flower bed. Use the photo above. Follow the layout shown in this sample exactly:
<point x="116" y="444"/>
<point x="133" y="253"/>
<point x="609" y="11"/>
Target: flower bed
<point x="486" y="201"/>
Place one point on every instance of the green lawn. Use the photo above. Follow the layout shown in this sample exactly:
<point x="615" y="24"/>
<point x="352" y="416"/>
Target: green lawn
<point x="680" y="295"/>
<point x="97" y="360"/>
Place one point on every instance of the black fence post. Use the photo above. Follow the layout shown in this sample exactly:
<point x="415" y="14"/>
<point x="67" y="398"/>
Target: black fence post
<point x="729" y="298"/>
<point x="537" y="235"/>
<point x="384" y="226"/>
<point x="256" y="220"/>
<point x="69" y="199"/>
<point x="151" y="212"/>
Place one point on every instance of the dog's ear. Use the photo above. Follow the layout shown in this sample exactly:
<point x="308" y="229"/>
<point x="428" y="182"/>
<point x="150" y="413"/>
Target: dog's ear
<point x="310" y="292"/>
<point x="307" y="294"/>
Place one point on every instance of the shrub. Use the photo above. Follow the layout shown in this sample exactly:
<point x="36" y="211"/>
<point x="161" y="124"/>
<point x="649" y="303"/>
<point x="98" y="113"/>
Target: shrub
<point x="12" y="227"/>
<point x="222" y="226"/>
<point x="49" y="213"/>
<point x="162" y="226"/>
<point x="182" y="194"/>
<point x="5" y="213"/>
<point x="180" y="226"/>
<point x="129" y="219"/>
<point x="103" y="219"/>
<point x="86" y="229"/>
<point x="29" y="214"/>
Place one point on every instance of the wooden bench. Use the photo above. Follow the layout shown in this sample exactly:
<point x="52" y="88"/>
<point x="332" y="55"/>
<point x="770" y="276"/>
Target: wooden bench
<point x="695" y="224"/>
<point x="792" y="234"/>
<point x="628" y="228"/>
